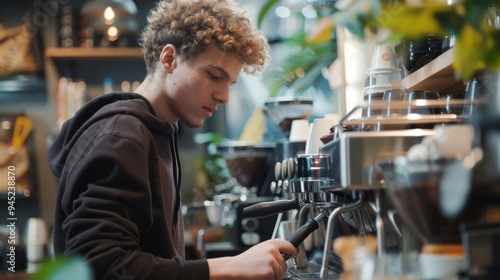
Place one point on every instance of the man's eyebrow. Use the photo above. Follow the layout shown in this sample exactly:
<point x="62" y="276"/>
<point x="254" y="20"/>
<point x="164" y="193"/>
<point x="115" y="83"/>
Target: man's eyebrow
<point x="222" y="71"/>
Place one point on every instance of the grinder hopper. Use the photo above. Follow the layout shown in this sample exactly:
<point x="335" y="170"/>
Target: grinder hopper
<point x="284" y="110"/>
<point x="248" y="162"/>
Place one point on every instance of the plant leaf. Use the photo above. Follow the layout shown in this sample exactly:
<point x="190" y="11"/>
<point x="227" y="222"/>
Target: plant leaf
<point x="61" y="269"/>
<point x="450" y="21"/>
<point x="264" y="10"/>
<point x="492" y="56"/>
<point x="300" y="85"/>
<point x="476" y="10"/>
<point x="323" y="32"/>
<point x="283" y="76"/>
<point x="354" y="19"/>
<point x="415" y="22"/>
<point x="469" y="50"/>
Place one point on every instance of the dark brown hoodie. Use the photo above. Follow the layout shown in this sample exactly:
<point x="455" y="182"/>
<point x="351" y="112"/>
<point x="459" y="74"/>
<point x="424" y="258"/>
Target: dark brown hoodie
<point x="118" y="202"/>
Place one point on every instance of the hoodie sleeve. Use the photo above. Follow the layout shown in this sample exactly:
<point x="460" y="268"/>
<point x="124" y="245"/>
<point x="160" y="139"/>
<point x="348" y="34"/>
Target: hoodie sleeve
<point x="110" y="205"/>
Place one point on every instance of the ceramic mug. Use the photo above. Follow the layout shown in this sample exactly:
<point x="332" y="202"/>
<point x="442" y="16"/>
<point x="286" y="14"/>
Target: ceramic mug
<point x="453" y="141"/>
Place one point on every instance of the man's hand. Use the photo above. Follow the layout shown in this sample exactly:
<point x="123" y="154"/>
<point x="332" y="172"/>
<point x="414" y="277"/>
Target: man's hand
<point x="263" y="261"/>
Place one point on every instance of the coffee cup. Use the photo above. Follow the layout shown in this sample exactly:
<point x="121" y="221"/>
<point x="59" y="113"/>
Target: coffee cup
<point x="384" y="56"/>
<point x="453" y="141"/>
<point x="319" y="128"/>
<point x="36" y="240"/>
<point x="440" y="266"/>
<point x="299" y="130"/>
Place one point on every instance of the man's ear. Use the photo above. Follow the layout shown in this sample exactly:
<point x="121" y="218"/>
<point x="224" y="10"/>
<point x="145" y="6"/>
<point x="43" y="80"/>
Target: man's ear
<point x="168" y="58"/>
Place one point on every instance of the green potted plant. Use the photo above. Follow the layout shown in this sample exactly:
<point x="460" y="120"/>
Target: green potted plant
<point x="309" y="54"/>
<point x="211" y="167"/>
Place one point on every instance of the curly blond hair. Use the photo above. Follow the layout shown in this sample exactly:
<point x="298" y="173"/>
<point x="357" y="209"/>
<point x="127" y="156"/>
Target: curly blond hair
<point x="192" y="25"/>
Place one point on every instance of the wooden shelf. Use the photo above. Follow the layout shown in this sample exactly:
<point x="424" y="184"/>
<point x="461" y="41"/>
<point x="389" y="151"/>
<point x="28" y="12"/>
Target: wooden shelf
<point x="437" y="75"/>
<point x="94" y="53"/>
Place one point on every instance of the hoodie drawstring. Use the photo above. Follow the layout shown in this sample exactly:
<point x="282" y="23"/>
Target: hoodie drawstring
<point x="177" y="176"/>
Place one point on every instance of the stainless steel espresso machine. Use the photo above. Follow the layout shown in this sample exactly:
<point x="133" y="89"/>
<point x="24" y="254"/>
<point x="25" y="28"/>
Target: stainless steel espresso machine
<point x="336" y="192"/>
<point x="348" y="188"/>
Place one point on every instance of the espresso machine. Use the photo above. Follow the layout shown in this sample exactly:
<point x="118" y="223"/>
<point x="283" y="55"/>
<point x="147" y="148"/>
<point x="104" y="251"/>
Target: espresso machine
<point x="347" y="183"/>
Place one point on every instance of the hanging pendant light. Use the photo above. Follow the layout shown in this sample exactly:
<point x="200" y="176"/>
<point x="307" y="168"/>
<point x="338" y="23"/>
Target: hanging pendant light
<point x="112" y="20"/>
<point x="125" y="25"/>
<point x="120" y="8"/>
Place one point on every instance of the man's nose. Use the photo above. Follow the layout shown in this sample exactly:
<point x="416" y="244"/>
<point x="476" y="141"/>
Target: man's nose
<point x="222" y="95"/>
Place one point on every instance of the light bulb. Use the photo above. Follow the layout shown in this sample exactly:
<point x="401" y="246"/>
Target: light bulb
<point x="112" y="33"/>
<point x="109" y="15"/>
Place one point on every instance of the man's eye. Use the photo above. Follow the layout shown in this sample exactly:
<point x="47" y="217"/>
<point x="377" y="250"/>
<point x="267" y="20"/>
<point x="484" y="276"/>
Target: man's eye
<point x="213" y="77"/>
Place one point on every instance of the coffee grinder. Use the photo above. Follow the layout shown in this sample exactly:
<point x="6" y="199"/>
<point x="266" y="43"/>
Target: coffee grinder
<point x="249" y="163"/>
<point x="283" y="111"/>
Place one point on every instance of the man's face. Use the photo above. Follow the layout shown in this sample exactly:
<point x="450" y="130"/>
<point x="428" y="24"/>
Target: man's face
<point x="196" y="87"/>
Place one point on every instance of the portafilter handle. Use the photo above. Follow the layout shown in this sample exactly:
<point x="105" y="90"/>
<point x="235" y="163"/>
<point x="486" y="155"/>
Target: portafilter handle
<point x="303" y="232"/>
<point x="264" y="209"/>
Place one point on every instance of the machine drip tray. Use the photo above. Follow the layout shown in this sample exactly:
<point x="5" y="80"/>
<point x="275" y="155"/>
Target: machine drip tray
<point x="312" y="272"/>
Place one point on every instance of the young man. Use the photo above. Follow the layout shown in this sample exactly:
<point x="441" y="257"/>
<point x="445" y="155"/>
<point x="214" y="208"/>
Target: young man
<point x="118" y="203"/>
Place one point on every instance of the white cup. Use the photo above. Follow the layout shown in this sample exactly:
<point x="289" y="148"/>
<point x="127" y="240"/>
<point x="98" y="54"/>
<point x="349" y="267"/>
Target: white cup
<point x="36" y="240"/>
<point x="384" y="56"/>
<point x="299" y="130"/>
<point x="309" y="136"/>
<point x="319" y="128"/>
<point x="333" y="116"/>
<point x="440" y="266"/>
<point x="453" y="141"/>
<point x="383" y="80"/>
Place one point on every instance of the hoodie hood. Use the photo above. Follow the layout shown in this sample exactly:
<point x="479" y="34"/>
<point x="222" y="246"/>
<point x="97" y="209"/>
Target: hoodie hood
<point x="115" y="103"/>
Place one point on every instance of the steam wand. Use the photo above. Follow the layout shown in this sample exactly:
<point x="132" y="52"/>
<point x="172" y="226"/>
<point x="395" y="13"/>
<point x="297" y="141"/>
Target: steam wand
<point x="329" y="231"/>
